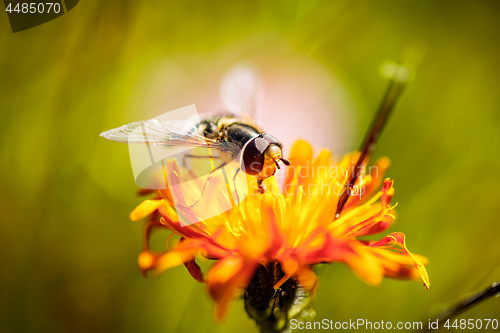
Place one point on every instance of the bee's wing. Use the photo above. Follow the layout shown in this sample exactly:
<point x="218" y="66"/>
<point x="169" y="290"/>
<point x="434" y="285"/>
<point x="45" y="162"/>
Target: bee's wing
<point x="240" y="91"/>
<point x="154" y="132"/>
<point x="171" y="133"/>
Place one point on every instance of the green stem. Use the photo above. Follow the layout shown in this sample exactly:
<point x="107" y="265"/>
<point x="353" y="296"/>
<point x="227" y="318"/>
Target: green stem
<point x="466" y="304"/>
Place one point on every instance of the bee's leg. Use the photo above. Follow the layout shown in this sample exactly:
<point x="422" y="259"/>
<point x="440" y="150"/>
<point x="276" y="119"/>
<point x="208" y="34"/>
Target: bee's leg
<point x="234" y="183"/>
<point x="202" y="191"/>
<point x="262" y="188"/>
<point x="184" y="157"/>
<point x="208" y="179"/>
<point x="275" y="299"/>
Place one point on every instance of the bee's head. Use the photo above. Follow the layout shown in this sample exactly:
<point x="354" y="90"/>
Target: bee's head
<point x="261" y="156"/>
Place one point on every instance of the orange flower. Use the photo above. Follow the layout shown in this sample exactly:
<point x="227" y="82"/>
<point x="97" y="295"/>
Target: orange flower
<point x="288" y="230"/>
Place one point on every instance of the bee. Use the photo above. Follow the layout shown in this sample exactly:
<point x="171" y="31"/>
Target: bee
<point x="233" y="134"/>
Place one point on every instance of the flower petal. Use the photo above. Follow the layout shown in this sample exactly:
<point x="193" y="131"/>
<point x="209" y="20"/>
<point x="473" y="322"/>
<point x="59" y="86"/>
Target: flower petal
<point x="289" y="266"/>
<point x="301" y="155"/>
<point x="225" y="278"/>
<point x="172" y="259"/>
<point x="144" y="209"/>
<point x="307" y="278"/>
<point x="194" y="270"/>
<point x="398" y="239"/>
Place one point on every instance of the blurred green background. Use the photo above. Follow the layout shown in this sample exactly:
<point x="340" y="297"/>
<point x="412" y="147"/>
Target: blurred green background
<point x="68" y="250"/>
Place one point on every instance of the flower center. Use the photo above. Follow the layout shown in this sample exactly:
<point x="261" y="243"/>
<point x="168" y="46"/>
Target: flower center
<point x="273" y="308"/>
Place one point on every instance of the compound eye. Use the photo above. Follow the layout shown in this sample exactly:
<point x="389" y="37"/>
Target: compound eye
<point x="253" y="156"/>
<point x="271" y="139"/>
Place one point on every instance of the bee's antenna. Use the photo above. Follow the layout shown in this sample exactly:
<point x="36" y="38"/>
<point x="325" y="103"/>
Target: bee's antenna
<point x="400" y="76"/>
<point x="285" y="161"/>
